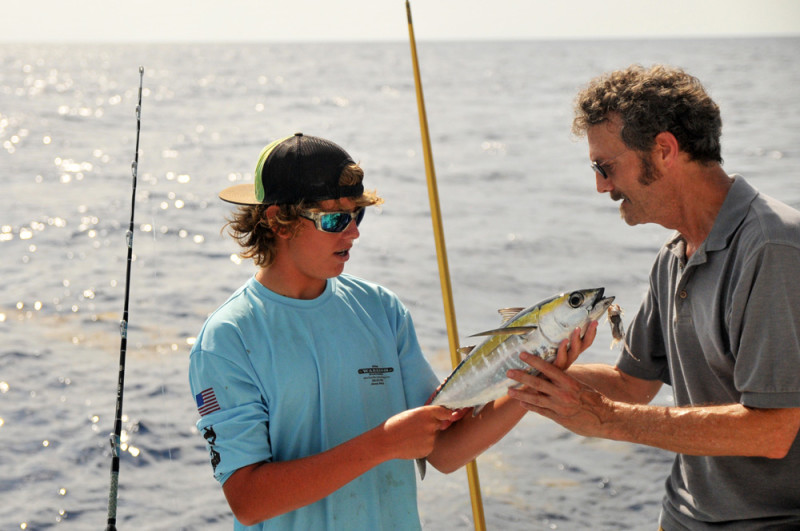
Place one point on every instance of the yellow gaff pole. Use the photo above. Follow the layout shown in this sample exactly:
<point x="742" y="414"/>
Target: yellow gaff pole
<point x="441" y="253"/>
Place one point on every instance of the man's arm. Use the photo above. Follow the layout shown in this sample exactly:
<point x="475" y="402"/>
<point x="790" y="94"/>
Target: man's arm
<point x="615" y="384"/>
<point x="730" y="429"/>
<point x="264" y="490"/>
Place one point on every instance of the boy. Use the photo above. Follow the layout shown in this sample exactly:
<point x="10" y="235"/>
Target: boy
<point x="310" y="382"/>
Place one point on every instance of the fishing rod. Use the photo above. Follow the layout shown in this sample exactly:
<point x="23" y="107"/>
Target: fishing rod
<point x="123" y="332"/>
<point x="441" y="253"/>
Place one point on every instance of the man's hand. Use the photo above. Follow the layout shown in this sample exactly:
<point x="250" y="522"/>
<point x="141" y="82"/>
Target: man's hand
<point x="559" y="397"/>
<point x="569" y="350"/>
<point x="554" y="394"/>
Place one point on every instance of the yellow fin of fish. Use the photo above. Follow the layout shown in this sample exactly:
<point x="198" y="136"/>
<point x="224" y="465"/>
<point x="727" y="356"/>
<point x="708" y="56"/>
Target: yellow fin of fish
<point x="508" y="313"/>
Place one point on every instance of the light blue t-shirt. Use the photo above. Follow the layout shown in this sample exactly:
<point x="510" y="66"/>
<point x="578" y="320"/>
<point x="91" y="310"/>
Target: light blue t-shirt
<point x="277" y="379"/>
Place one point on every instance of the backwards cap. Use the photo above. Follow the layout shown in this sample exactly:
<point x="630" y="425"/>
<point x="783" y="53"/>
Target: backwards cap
<point x="294" y="169"/>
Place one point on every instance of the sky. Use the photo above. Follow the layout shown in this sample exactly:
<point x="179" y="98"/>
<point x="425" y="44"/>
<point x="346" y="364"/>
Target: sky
<point x="385" y="20"/>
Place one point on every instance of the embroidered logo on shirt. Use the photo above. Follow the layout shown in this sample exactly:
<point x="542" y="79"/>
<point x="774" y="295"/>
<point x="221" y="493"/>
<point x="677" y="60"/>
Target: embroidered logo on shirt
<point x="207" y="402"/>
<point x="375" y="375"/>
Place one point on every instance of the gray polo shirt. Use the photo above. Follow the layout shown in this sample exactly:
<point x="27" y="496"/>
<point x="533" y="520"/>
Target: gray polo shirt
<point x="721" y="328"/>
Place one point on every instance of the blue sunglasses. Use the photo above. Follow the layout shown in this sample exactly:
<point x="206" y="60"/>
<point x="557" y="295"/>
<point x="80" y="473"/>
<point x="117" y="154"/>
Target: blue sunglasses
<point x="333" y="221"/>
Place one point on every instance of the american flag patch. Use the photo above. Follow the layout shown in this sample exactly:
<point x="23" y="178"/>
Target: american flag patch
<point x="207" y="402"/>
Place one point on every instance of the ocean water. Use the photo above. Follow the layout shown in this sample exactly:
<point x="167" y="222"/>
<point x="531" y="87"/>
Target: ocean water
<point x="521" y="216"/>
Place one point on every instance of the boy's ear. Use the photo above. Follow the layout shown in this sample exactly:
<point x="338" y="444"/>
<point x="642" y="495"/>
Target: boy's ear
<point x="282" y="231"/>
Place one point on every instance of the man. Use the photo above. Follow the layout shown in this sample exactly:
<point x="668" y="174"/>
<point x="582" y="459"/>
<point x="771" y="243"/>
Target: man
<point x="720" y="322"/>
<point x="310" y="382"/>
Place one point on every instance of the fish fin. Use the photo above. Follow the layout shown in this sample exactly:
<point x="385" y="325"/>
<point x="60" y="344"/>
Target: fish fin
<point x="508" y="330"/>
<point x="477" y="409"/>
<point x="464" y="351"/>
<point x="508" y="313"/>
<point x="421" y="467"/>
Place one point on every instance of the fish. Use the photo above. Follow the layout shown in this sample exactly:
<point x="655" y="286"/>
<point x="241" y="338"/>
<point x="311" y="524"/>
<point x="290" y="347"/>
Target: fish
<point x="481" y="377"/>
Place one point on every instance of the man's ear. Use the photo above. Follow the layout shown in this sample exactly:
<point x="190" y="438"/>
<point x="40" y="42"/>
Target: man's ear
<point x="666" y="149"/>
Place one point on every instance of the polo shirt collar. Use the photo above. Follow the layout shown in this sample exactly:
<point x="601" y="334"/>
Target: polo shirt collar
<point x="733" y="211"/>
<point x="730" y="216"/>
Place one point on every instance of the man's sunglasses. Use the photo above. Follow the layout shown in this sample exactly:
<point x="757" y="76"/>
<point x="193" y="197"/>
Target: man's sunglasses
<point x="598" y="167"/>
<point x="333" y="221"/>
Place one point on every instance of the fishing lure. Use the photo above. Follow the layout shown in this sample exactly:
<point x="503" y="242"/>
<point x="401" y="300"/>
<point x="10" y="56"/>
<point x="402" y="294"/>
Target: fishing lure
<point x="614" y="317"/>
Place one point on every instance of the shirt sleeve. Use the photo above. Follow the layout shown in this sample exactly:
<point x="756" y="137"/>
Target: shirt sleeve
<point x="646" y="356"/>
<point x="764" y="323"/>
<point x="234" y="417"/>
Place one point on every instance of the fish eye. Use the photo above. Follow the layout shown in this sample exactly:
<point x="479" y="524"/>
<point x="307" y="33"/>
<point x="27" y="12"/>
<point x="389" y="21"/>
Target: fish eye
<point x="576" y="299"/>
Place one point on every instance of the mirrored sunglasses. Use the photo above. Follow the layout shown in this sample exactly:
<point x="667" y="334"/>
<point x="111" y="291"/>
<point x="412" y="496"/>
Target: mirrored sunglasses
<point x="333" y="221"/>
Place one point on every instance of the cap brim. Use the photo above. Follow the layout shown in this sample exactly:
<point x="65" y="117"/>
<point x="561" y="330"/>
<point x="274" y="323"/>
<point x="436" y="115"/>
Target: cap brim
<point x="240" y="194"/>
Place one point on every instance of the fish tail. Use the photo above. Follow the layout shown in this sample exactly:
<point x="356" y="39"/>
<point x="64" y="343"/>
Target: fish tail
<point x="422" y="465"/>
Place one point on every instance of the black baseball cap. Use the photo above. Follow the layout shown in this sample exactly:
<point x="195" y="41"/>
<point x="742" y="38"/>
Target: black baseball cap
<point x="293" y="169"/>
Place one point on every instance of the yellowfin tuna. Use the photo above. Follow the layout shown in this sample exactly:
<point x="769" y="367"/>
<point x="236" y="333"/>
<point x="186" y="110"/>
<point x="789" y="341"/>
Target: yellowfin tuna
<point x="481" y="377"/>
